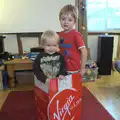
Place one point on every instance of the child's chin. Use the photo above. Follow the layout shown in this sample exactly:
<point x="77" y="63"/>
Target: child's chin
<point x="51" y="53"/>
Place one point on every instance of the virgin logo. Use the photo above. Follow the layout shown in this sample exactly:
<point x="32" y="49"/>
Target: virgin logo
<point x="64" y="110"/>
<point x="64" y="105"/>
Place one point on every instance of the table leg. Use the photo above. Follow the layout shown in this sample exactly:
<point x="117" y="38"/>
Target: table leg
<point x="11" y="75"/>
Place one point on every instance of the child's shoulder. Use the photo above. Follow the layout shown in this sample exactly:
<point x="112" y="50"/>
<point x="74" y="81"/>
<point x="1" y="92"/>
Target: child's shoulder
<point x="61" y="32"/>
<point x="77" y="33"/>
<point x="58" y="54"/>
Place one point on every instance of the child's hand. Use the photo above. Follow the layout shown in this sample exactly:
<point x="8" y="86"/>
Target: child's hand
<point x="82" y="72"/>
<point x="47" y="81"/>
<point x="61" y="77"/>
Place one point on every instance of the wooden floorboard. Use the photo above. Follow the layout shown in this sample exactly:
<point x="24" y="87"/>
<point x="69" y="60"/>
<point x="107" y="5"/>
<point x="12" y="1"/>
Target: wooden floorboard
<point x="107" y="91"/>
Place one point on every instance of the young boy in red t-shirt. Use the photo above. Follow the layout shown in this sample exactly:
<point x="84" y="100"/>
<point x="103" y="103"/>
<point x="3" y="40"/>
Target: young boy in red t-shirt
<point x="72" y="46"/>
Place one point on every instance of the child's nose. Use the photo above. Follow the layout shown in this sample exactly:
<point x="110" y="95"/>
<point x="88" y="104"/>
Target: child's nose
<point x="66" y="21"/>
<point x="52" y="48"/>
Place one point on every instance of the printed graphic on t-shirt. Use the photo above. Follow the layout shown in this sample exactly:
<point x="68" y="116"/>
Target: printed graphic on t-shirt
<point x="50" y="66"/>
<point x="66" y="47"/>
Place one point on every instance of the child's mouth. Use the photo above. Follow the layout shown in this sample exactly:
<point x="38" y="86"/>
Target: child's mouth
<point x="65" y="25"/>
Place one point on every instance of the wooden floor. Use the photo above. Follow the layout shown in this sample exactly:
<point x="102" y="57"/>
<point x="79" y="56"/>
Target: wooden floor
<point x="106" y="90"/>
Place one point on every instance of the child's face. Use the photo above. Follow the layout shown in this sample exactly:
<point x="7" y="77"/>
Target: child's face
<point x="50" y="46"/>
<point x="67" y="22"/>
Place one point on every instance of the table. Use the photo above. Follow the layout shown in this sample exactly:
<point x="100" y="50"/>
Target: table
<point x="17" y="64"/>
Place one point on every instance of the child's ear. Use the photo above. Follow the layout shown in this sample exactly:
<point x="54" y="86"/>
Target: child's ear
<point x="58" y="49"/>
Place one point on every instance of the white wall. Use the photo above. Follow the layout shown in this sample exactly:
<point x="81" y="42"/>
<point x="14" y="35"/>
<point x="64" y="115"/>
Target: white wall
<point x="30" y="15"/>
<point x="29" y="42"/>
<point x="93" y="44"/>
<point x="10" y="43"/>
<point x="115" y="47"/>
<point x="34" y="16"/>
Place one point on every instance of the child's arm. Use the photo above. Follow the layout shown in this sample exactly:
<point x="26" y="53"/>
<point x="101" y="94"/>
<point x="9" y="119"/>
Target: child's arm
<point x="83" y="60"/>
<point x="83" y="52"/>
<point x="63" y="70"/>
<point x="37" y="70"/>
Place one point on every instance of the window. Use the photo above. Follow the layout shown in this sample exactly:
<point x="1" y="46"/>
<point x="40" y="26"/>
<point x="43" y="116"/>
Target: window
<point x="103" y="15"/>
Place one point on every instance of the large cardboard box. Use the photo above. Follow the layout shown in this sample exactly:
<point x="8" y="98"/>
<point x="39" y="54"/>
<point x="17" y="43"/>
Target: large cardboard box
<point x="60" y="100"/>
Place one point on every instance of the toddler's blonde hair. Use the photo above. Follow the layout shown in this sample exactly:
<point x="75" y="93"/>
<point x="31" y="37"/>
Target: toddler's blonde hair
<point x="49" y="34"/>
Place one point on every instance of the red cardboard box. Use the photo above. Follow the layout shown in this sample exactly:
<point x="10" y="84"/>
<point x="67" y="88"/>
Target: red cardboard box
<point x="61" y="100"/>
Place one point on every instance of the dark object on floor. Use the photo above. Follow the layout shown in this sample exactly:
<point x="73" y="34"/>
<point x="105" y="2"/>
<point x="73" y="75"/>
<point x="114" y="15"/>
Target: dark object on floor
<point x="91" y="71"/>
<point x="105" y="52"/>
<point x="5" y="80"/>
<point x="20" y="105"/>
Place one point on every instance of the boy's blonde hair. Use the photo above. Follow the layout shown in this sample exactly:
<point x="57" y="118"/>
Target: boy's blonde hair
<point x="69" y="9"/>
<point x="49" y="34"/>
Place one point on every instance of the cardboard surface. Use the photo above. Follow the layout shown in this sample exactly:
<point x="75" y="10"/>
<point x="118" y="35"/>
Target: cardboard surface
<point x="61" y="100"/>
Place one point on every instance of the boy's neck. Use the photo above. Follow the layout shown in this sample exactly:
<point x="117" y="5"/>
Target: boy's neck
<point x="67" y="31"/>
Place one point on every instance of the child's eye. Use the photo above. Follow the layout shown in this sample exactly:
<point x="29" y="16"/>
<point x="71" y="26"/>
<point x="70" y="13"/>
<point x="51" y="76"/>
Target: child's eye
<point x="63" y="18"/>
<point x="53" y="45"/>
<point x="70" y="20"/>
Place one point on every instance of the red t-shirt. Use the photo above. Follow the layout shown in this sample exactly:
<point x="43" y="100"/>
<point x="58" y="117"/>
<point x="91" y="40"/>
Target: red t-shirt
<point x="70" y="43"/>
